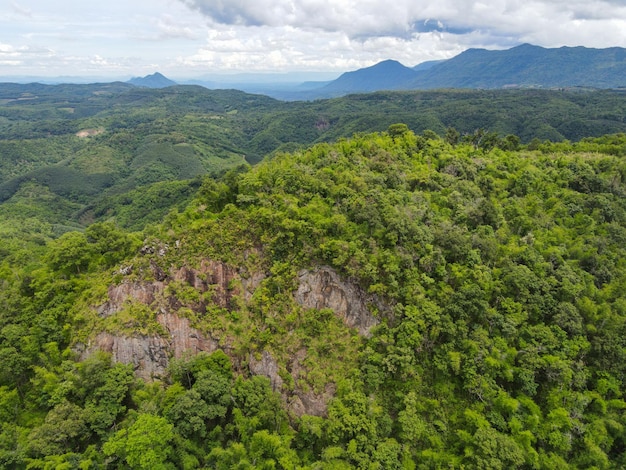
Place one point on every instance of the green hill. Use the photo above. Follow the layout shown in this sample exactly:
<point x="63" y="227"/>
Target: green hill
<point x="72" y="155"/>
<point x="391" y="300"/>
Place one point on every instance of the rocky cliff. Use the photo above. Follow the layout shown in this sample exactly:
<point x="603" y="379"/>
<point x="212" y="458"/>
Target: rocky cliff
<point x="175" y="294"/>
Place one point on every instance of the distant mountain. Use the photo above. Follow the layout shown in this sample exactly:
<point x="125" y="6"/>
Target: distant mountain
<point x="386" y="75"/>
<point x="429" y="64"/>
<point x="522" y="66"/>
<point x="528" y="66"/>
<point x="156" y="80"/>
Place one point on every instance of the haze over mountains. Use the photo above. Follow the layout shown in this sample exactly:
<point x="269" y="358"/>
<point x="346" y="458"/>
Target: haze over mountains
<point x="524" y="66"/>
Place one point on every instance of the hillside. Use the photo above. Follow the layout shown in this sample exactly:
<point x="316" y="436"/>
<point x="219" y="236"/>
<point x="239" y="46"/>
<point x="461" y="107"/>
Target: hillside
<point x="391" y="300"/>
<point x="77" y="154"/>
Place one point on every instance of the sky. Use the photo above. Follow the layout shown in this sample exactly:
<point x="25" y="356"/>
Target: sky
<point x="196" y="38"/>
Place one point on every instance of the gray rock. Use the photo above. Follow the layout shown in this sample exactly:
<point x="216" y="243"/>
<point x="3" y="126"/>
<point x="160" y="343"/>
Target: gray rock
<point x="323" y="288"/>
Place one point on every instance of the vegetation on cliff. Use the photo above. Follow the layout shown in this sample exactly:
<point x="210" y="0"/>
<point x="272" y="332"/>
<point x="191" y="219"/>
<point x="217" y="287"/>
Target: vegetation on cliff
<point x="495" y="274"/>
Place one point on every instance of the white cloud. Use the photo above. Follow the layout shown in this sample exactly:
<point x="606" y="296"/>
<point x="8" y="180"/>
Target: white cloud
<point x="354" y="18"/>
<point x="264" y="48"/>
<point x="191" y="37"/>
<point x="359" y="19"/>
<point x="344" y="34"/>
<point x="21" y="10"/>
<point x="7" y="49"/>
<point x="171" y="28"/>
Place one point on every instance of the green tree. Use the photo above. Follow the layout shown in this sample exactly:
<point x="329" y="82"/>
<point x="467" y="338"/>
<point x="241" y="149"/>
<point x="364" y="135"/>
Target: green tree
<point x="190" y="415"/>
<point x="70" y="254"/>
<point x="146" y="444"/>
<point x="397" y="130"/>
<point x="453" y="137"/>
<point x="65" y="429"/>
<point x="110" y="243"/>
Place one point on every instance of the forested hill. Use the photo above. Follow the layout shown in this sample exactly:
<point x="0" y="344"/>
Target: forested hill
<point x="85" y="146"/>
<point x="392" y="300"/>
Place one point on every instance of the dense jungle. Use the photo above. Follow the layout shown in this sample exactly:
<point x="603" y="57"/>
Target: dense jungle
<point x="396" y="280"/>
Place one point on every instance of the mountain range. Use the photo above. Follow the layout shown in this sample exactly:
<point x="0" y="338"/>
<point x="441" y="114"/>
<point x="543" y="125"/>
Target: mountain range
<point x="528" y="66"/>
<point x="524" y="66"/>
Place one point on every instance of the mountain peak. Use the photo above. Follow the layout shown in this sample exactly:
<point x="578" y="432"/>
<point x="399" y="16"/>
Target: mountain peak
<point x="527" y="46"/>
<point x="386" y="75"/>
<point x="388" y="63"/>
<point x="156" y="80"/>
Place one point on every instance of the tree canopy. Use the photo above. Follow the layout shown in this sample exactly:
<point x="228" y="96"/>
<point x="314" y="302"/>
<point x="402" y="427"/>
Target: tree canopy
<point x="495" y="272"/>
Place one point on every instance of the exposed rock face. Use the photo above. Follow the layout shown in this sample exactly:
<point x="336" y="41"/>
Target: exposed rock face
<point x="298" y="401"/>
<point x="148" y="354"/>
<point x="151" y="354"/>
<point x="183" y="339"/>
<point x="309" y="403"/>
<point x="143" y="292"/>
<point x="323" y="288"/>
<point x="213" y="275"/>
<point x="301" y="402"/>
<point x="268" y="367"/>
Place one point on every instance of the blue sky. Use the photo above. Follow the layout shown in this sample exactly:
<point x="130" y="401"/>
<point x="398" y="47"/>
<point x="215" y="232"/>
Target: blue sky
<point x="191" y="38"/>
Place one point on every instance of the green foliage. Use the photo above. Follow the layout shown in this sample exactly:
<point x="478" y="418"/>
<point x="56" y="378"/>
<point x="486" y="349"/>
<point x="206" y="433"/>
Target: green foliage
<point x="494" y="273"/>
<point x="207" y="400"/>
<point x="479" y="247"/>
<point x="257" y="407"/>
<point x="138" y="146"/>
<point x="102" y="245"/>
<point x="146" y="444"/>
<point x="70" y="254"/>
<point x="110" y="244"/>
